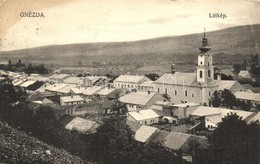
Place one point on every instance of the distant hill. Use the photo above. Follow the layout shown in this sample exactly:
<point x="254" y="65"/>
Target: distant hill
<point x="242" y="39"/>
<point x="17" y="147"/>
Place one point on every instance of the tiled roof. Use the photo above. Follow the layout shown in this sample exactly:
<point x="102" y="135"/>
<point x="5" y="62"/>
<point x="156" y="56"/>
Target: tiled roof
<point x="178" y="78"/>
<point x="105" y="91"/>
<point x="134" y="126"/>
<point x="91" y="90"/>
<point x="144" y="133"/>
<point x="248" y="96"/>
<point x="244" y="73"/>
<point x="130" y="78"/>
<point x="138" y="97"/>
<point x="143" y="114"/>
<point x="82" y="125"/>
<point x="206" y="111"/>
<point x="55" y="87"/>
<point x="78" y="90"/>
<point x="27" y="83"/>
<point x="215" y="118"/>
<point x="71" y="98"/>
<point x="229" y="84"/>
<point x="175" y="140"/>
<point x="147" y="83"/>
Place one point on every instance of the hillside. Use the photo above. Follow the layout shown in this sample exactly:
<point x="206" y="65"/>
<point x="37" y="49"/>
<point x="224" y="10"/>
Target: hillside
<point x="18" y="147"/>
<point x="241" y="39"/>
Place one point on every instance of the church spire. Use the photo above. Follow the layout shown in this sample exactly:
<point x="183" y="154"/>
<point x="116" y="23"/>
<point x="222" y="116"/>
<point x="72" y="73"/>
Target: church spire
<point x="204" y="48"/>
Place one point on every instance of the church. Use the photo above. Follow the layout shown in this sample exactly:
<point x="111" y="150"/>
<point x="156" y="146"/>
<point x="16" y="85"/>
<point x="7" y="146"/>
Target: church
<point x="191" y="87"/>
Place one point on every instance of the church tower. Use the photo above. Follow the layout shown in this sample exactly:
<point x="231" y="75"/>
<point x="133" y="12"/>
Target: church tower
<point x="205" y="68"/>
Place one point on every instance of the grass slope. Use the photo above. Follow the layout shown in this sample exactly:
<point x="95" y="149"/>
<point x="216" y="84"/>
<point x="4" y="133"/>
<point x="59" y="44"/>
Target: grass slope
<point x="18" y="147"/>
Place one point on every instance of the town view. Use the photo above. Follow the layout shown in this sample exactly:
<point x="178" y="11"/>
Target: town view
<point x="190" y="98"/>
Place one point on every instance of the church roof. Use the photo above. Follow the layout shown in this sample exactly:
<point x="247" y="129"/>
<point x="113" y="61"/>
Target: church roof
<point x="179" y="78"/>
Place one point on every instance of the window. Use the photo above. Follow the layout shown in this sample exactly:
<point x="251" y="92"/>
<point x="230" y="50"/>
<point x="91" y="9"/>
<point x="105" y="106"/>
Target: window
<point x="201" y="63"/>
<point x="200" y="74"/>
<point x="192" y="95"/>
<point x="208" y="63"/>
<point x="209" y="93"/>
<point x="165" y="90"/>
<point x="158" y="89"/>
<point x="175" y="92"/>
<point x="186" y="93"/>
<point x="209" y="73"/>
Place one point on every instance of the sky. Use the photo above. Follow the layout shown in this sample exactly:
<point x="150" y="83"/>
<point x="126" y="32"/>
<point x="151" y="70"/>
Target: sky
<point x="84" y="21"/>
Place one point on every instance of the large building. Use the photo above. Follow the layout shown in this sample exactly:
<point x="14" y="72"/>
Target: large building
<point x="191" y="87"/>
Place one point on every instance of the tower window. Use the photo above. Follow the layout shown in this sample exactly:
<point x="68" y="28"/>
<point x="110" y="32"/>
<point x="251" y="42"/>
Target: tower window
<point x="192" y="94"/>
<point x="166" y="91"/>
<point x="201" y="63"/>
<point x="158" y="89"/>
<point x="186" y="93"/>
<point x="200" y="74"/>
<point x="175" y="92"/>
<point x="209" y="73"/>
<point x="208" y="63"/>
<point x="209" y="93"/>
<point x="200" y="55"/>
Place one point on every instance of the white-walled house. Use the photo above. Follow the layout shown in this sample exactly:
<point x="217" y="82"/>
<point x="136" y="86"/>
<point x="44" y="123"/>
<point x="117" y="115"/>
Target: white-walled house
<point x="214" y="115"/>
<point x="146" y="116"/>
<point x="71" y="100"/>
<point x="129" y="82"/>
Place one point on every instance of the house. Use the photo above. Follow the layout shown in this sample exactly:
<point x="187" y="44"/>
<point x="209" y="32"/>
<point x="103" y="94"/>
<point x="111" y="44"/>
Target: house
<point x="42" y="88"/>
<point x="144" y="133"/>
<point x="27" y="84"/>
<point x="129" y="82"/>
<point x="195" y="87"/>
<point x="98" y="80"/>
<point x="146" y="86"/>
<point x="244" y="74"/>
<point x="247" y="96"/>
<point x="90" y="92"/>
<point x="82" y="125"/>
<point x="79" y="81"/>
<point x="212" y="116"/>
<point x="77" y="90"/>
<point x="38" y="77"/>
<point x="60" y="88"/>
<point x="58" y="78"/>
<point x="140" y="100"/>
<point x="35" y="86"/>
<point x="146" y="116"/>
<point x="230" y="85"/>
<point x="110" y="93"/>
<point x="162" y="108"/>
<point x="183" y="110"/>
<point x="71" y="100"/>
<point x="43" y="101"/>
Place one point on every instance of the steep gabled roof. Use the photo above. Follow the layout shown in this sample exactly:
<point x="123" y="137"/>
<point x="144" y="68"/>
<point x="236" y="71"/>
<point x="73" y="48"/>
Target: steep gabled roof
<point x="138" y="97"/>
<point x="144" y="133"/>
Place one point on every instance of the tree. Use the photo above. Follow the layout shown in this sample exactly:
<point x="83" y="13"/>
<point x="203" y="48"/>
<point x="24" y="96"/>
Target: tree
<point x="237" y="68"/>
<point x="234" y="141"/>
<point x="216" y="99"/>
<point x="152" y="76"/>
<point x="228" y="99"/>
